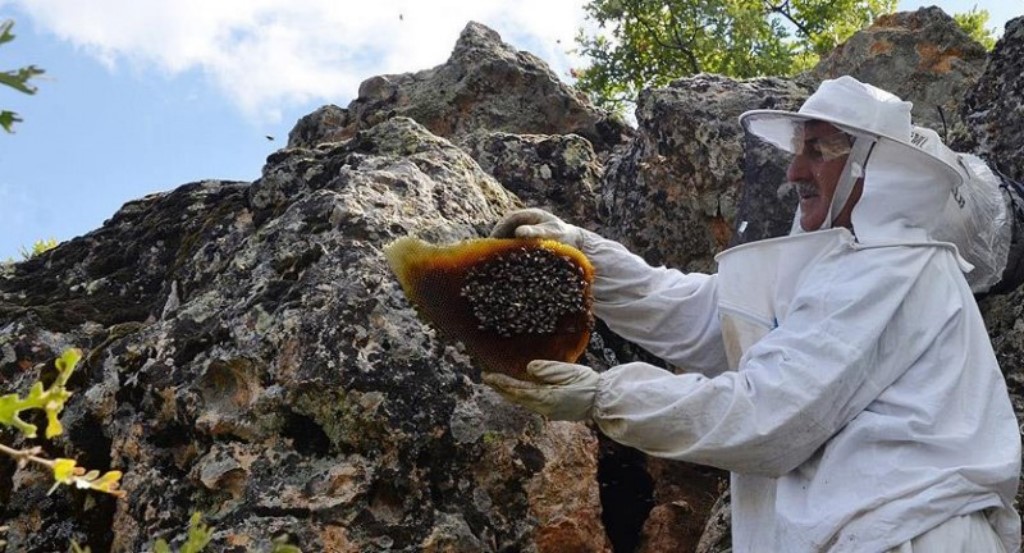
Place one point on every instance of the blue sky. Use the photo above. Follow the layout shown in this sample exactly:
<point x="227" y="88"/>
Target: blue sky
<point x="142" y="96"/>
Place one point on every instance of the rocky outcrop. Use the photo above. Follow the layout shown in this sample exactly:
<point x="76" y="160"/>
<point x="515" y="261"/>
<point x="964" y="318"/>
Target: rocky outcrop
<point x="992" y="108"/>
<point x="326" y="124"/>
<point x="250" y="355"/>
<point x="922" y="56"/>
<point x="559" y="173"/>
<point x="673" y="196"/>
<point x="684" y="498"/>
<point x="485" y="85"/>
<point x="1003" y="318"/>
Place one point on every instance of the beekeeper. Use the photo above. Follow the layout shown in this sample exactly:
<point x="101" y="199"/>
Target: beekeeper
<point x="846" y="378"/>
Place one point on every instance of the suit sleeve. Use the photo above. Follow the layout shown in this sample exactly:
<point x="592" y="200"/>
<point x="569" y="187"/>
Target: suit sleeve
<point x="847" y="337"/>
<point x="671" y="314"/>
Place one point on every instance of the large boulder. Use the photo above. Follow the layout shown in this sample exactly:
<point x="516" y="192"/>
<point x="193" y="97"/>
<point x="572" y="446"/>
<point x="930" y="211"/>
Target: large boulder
<point x="993" y="106"/>
<point x="559" y="173"/>
<point x="1003" y="315"/>
<point x="250" y="355"/>
<point x="992" y="109"/>
<point x="673" y="196"/>
<point x="485" y="85"/>
<point x="922" y="56"/>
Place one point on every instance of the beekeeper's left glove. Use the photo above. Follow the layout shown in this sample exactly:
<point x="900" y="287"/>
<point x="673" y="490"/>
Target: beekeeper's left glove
<point x="563" y="391"/>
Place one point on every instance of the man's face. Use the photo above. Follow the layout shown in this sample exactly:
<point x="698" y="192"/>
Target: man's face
<point x="822" y="150"/>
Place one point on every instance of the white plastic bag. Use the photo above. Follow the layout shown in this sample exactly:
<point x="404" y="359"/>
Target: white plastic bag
<point x="977" y="217"/>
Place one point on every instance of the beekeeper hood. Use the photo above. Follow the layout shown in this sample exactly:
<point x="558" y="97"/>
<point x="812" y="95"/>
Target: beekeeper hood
<point x="908" y="174"/>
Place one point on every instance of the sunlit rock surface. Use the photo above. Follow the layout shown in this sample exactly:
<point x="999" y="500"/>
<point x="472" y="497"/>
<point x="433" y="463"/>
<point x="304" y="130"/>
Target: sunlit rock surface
<point x="921" y="56"/>
<point x="674" y="196"/>
<point x="250" y="355"/>
<point x="485" y="84"/>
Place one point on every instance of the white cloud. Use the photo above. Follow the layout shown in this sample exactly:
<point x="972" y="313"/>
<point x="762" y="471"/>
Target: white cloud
<point x="266" y="54"/>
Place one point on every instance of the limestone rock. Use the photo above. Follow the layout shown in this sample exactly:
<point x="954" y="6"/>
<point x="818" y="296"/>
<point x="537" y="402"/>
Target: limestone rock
<point x="672" y="197"/>
<point x="326" y="124"/>
<point x="992" y="110"/>
<point x="1004" y="318"/>
<point x="485" y="84"/>
<point x="717" y="536"/>
<point x="684" y="496"/>
<point x="993" y="107"/>
<point x="559" y="173"/>
<point x="921" y="56"/>
<point x="250" y="355"/>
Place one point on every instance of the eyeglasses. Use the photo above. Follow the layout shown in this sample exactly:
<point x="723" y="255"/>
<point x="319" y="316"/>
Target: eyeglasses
<point x="822" y="148"/>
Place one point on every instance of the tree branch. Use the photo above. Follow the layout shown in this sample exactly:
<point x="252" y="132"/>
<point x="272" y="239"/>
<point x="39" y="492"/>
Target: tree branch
<point x="783" y="9"/>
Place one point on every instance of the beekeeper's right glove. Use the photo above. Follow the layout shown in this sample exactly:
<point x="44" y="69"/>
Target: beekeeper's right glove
<point x="537" y="223"/>
<point x="562" y="392"/>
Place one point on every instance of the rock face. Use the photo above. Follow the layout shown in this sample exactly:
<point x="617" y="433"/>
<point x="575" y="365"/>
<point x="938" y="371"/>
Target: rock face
<point x="992" y="107"/>
<point x="249" y="354"/>
<point x="992" y="110"/>
<point x="559" y="173"/>
<point x="672" y="197"/>
<point x="922" y="56"/>
<point x="485" y="84"/>
<point x="1003" y="315"/>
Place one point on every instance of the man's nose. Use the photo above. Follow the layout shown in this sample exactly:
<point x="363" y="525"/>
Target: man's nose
<point x="799" y="169"/>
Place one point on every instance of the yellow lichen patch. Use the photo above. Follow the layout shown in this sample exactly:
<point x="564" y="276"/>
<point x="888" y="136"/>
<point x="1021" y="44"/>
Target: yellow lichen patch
<point x="509" y="301"/>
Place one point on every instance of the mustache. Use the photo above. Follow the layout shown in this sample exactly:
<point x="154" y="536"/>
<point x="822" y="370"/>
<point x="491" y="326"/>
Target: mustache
<point x="801" y="188"/>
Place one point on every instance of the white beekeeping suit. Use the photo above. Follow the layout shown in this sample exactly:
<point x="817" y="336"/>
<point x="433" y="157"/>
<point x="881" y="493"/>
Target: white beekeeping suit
<point x="847" y="382"/>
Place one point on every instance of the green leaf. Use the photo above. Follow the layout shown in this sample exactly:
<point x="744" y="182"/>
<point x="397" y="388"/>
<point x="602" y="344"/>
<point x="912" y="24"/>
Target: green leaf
<point x="199" y="535"/>
<point x="39" y="247"/>
<point x="51" y="400"/>
<point x="18" y="79"/>
<point x="281" y="545"/>
<point x="8" y="119"/>
<point x="5" y="30"/>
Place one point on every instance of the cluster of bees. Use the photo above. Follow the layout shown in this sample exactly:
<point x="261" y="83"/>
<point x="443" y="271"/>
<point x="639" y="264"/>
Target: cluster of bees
<point x="524" y="291"/>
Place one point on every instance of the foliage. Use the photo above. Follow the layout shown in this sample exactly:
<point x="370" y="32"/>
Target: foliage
<point x="973" y="23"/>
<point x="281" y="545"/>
<point x="648" y="43"/>
<point x="51" y="401"/>
<point x="199" y="535"/>
<point x="39" y="247"/>
<point x="18" y="79"/>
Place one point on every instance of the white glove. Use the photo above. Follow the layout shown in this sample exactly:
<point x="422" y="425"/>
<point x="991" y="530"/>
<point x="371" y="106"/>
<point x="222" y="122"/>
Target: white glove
<point x="537" y="223"/>
<point x="564" y="392"/>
